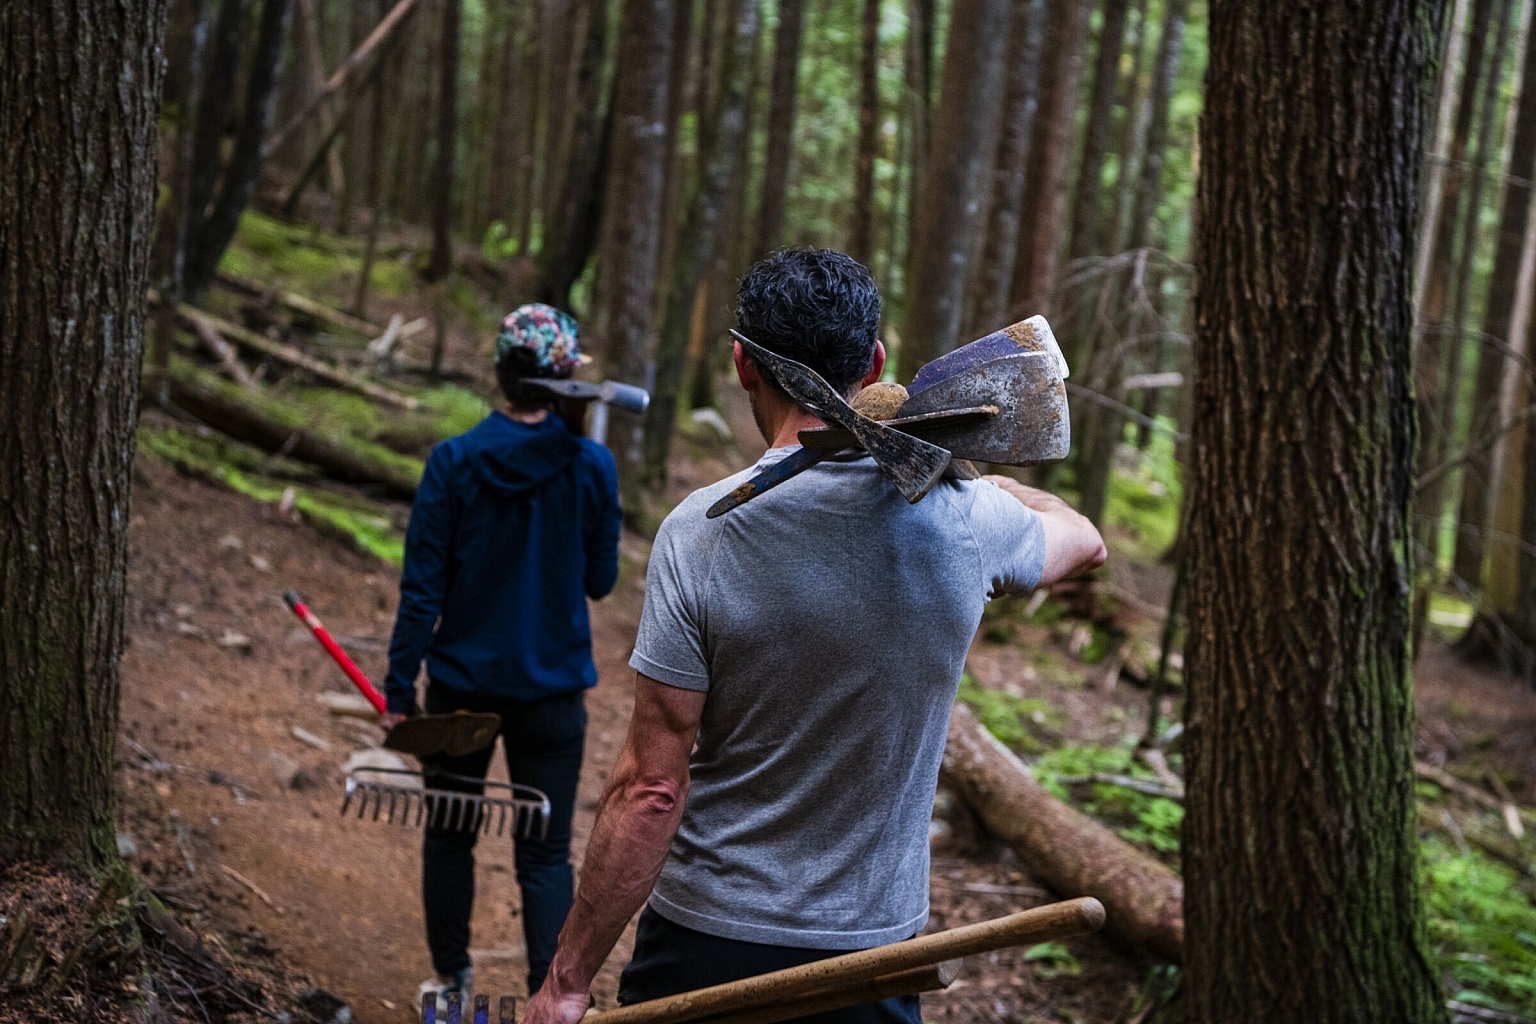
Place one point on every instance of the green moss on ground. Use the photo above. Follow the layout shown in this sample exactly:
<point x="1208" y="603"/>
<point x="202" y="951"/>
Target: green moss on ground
<point x="367" y="524"/>
<point x="308" y="261"/>
<point x="444" y="411"/>
<point x="1145" y="492"/>
<point x="1482" y="928"/>
<point x="1021" y="723"/>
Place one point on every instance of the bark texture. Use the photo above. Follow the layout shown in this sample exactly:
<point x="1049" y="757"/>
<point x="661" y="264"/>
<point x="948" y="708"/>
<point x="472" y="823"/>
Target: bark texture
<point x="632" y="223"/>
<point x="1067" y="850"/>
<point x="79" y="99"/>
<point x="781" y="124"/>
<point x="1043" y="221"/>
<point x="447" y="123"/>
<point x="1300" y="849"/>
<point x="948" y="213"/>
<point x="1492" y="360"/>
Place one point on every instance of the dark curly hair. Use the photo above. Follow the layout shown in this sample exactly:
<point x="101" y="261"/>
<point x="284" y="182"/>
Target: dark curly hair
<point x="819" y="307"/>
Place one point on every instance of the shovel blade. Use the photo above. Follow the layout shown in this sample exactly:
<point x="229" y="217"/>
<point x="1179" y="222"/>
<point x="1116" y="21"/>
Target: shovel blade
<point x="455" y="734"/>
<point x="1032" y="425"/>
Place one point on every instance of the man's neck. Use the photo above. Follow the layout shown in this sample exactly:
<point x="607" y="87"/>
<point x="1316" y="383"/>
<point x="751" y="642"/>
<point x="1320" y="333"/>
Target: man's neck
<point x="790" y="425"/>
<point x="522" y="416"/>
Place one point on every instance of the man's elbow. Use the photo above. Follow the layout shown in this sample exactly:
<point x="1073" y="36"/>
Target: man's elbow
<point x="656" y="796"/>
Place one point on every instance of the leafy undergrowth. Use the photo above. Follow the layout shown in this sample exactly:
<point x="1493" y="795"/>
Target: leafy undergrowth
<point x="1480" y="912"/>
<point x="1144" y="495"/>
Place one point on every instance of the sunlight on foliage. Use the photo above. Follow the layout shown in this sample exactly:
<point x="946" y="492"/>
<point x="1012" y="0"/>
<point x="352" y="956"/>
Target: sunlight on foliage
<point x="1018" y="722"/>
<point x="1145" y="491"/>
<point x="1149" y="821"/>
<point x="1053" y="960"/>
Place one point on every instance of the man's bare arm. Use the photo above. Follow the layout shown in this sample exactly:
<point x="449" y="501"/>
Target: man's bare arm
<point x="1072" y="544"/>
<point x="636" y="820"/>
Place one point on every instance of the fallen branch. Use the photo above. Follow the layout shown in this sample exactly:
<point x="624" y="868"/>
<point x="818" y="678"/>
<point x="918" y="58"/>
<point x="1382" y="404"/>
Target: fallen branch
<point x="297" y="303"/>
<point x="224" y="352"/>
<point x="291" y="356"/>
<point x="1147" y="786"/>
<point x="1446" y="781"/>
<point x="1064" y="848"/>
<point x="237" y="876"/>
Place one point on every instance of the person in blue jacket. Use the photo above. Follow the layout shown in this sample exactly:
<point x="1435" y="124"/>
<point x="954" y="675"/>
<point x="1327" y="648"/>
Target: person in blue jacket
<point x="515" y="526"/>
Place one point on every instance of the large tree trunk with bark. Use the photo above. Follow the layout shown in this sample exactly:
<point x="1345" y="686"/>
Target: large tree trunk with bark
<point x="77" y="217"/>
<point x="1043" y="220"/>
<point x="1068" y="851"/>
<point x="781" y="124"/>
<point x="632" y="221"/>
<point x="948" y="215"/>
<point x="447" y="137"/>
<point x="994" y="274"/>
<point x="215" y="232"/>
<point x="1300" y="849"/>
<point x="1492" y="358"/>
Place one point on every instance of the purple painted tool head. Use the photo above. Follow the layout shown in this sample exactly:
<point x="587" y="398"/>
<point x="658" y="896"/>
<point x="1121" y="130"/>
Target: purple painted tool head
<point x="429" y="1008"/>
<point x="1032" y="335"/>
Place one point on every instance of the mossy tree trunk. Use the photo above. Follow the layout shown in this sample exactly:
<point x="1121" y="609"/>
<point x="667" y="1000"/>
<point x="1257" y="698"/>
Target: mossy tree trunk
<point x="1300" y="853"/>
<point x="79" y="100"/>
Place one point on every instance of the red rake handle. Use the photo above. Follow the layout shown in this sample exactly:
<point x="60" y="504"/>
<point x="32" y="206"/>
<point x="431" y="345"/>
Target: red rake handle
<point x="295" y="602"/>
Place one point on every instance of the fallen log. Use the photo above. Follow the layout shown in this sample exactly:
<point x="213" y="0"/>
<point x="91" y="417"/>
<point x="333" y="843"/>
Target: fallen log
<point x="291" y="356"/>
<point x="1064" y="848"/>
<point x="297" y="303"/>
<point x="224" y="352"/>
<point x="259" y="419"/>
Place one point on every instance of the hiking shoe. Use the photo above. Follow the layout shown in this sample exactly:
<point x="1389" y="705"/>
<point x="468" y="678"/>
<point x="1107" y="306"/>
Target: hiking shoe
<point x="462" y="982"/>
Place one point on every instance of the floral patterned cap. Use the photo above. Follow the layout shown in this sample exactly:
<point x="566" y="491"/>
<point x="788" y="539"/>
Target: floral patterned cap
<point x="544" y="331"/>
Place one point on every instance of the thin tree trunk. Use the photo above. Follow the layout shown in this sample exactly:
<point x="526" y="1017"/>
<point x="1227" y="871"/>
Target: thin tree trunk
<point x="632" y="220"/>
<point x="573" y="232"/>
<point x="1042" y="221"/>
<point x="861" y="242"/>
<point x="213" y="109"/>
<point x="947" y="213"/>
<point x="1132" y="128"/>
<point x="357" y="153"/>
<point x="700" y="236"/>
<point x="559" y="57"/>
<point x="781" y="124"/>
<point x="382" y="129"/>
<point x="1087" y="218"/>
<point x="245" y="162"/>
<point x="1445" y="113"/>
<point x="527" y="157"/>
<point x="1299" y="718"/>
<point x="77" y="221"/>
<point x="675" y="177"/>
<point x="1432" y="498"/>
<point x="994" y="273"/>
<point x="314" y="71"/>
<point x="1492" y="362"/>
<point x="447" y="137"/>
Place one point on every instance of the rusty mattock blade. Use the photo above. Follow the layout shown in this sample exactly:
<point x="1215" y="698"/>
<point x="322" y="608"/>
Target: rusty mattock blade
<point x="910" y="463"/>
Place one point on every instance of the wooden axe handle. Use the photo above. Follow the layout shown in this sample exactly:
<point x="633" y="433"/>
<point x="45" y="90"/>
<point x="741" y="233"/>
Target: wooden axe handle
<point x="827" y="978"/>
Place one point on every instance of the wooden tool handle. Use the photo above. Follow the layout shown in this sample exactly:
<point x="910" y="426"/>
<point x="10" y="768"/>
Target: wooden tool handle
<point x="840" y="973"/>
<point x="928" y="978"/>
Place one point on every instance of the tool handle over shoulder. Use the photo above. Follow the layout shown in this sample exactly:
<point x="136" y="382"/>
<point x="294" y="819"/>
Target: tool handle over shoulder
<point x="299" y="608"/>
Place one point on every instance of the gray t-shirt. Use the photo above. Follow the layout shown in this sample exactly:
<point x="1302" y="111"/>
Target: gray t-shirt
<point x="829" y="622"/>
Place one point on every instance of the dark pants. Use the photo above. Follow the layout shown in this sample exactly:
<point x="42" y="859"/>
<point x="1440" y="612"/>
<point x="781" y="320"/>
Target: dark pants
<point x="543" y="740"/>
<point x="670" y="959"/>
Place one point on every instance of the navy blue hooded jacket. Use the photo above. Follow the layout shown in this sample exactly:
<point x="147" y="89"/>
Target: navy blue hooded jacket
<point x="515" y="525"/>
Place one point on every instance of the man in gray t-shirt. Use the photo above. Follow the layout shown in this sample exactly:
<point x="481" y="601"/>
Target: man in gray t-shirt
<point x="796" y="664"/>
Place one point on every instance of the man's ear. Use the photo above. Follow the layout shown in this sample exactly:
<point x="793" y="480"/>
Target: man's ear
<point x="876" y="365"/>
<point x="746" y="370"/>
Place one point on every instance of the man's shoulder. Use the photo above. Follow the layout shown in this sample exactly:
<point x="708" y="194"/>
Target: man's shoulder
<point x="688" y="519"/>
<point x="596" y="455"/>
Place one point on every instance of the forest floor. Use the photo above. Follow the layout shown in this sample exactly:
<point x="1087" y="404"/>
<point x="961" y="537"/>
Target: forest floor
<point x="230" y="765"/>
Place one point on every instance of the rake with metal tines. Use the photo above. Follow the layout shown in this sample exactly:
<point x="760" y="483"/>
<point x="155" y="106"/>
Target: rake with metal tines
<point x="525" y="810"/>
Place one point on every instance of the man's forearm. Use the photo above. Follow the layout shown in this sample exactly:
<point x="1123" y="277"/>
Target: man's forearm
<point x="1032" y="497"/>
<point x="630" y="840"/>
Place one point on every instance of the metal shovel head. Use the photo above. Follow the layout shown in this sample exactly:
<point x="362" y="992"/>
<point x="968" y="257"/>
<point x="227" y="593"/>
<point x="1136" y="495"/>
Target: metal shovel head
<point x="456" y="734"/>
<point x="1032" y="424"/>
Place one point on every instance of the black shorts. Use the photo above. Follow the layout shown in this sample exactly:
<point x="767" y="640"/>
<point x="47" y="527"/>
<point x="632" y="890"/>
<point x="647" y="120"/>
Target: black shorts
<point x="670" y="959"/>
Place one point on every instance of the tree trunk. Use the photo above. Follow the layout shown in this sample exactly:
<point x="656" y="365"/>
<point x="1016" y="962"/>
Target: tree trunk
<point x="1087" y="219"/>
<point x="559" y="58"/>
<point x="861" y="242"/>
<point x="700" y="236"/>
<point x="632" y="217"/>
<point x="1042" y="221"/>
<point x="781" y="125"/>
<point x="447" y="121"/>
<point x="245" y="161"/>
<point x="1300" y="712"/>
<point x="1523" y="618"/>
<point x="1432" y="498"/>
<point x="947" y="212"/>
<point x="1132" y="127"/>
<point x="77" y="220"/>
<point x="1492" y="361"/>
<point x="213" y="107"/>
<point x="1068" y="851"/>
<point x="676" y="175"/>
<point x="573" y="223"/>
<point x="1434" y="290"/>
<point x="532" y="85"/>
<point x="994" y="274"/>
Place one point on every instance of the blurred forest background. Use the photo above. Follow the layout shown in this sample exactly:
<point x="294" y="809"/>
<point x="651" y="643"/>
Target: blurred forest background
<point x="352" y="193"/>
